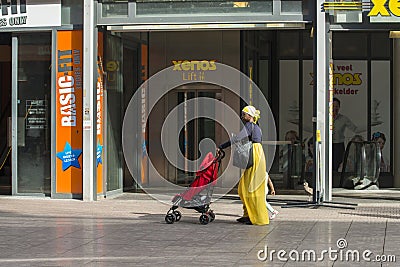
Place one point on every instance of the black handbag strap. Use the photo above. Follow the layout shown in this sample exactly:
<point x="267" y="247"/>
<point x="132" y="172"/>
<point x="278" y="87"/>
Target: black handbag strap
<point x="251" y="133"/>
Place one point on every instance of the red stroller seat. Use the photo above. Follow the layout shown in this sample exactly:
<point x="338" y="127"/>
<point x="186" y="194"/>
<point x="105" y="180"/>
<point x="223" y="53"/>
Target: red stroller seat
<point x="207" y="173"/>
<point x="206" y="178"/>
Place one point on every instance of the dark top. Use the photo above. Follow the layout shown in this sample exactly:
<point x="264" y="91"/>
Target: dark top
<point x="244" y="134"/>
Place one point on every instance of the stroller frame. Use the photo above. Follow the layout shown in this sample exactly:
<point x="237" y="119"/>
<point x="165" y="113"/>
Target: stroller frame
<point x="199" y="202"/>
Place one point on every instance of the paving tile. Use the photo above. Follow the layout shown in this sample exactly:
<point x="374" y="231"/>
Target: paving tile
<point x="131" y="232"/>
<point x="307" y="263"/>
<point x="360" y="264"/>
<point x="256" y="263"/>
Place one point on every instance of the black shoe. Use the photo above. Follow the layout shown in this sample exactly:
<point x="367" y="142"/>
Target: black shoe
<point x="248" y="223"/>
<point x="243" y="219"/>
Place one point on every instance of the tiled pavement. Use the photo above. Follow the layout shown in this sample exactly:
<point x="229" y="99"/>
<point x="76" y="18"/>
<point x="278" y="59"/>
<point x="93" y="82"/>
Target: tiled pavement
<point x="130" y="231"/>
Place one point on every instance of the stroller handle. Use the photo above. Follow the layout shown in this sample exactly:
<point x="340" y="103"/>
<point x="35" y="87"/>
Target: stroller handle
<point x="221" y="155"/>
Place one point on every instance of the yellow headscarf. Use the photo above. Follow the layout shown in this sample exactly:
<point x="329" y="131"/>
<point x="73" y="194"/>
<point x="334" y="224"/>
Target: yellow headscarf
<point x="252" y="111"/>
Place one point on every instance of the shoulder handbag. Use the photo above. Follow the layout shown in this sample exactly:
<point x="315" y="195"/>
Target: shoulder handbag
<point x="243" y="153"/>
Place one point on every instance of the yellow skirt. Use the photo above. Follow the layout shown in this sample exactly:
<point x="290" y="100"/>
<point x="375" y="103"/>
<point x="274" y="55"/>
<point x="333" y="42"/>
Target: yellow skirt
<point x="251" y="188"/>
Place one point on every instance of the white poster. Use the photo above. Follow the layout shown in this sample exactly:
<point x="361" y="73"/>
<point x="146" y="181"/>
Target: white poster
<point x="308" y="87"/>
<point x="350" y="88"/>
<point x="289" y="115"/>
<point x="289" y="105"/>
<point x="380" y="108"/>
<point x="30" y="13"/>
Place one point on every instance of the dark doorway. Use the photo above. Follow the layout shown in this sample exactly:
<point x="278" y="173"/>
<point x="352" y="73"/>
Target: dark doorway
<point x="5" y="115"/>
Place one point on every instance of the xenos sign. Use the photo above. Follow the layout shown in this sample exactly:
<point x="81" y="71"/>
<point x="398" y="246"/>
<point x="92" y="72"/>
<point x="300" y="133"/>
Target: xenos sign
<point x="194" y="70"/>
<point x="186" y="65"/>
<point x="380" y="8"/>
<point x="347" y="79"/>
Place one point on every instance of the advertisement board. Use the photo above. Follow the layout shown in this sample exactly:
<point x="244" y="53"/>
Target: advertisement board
<point x="30" y="13"/>
<point x="100" y="114"/>
<point x="69" y="112"/>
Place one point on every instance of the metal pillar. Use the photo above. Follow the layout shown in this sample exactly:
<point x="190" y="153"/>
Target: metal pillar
<point x="54" y="100"/>
<point x="324" y="162"/>
<point x="89" y="104"/>
<point x="396" y="112"/>
<point x="14" y="114"/>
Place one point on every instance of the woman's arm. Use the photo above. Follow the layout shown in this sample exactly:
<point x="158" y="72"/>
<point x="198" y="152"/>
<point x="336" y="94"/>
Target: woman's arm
<point x="243" y="134"/>
<point x="271" y="185"/>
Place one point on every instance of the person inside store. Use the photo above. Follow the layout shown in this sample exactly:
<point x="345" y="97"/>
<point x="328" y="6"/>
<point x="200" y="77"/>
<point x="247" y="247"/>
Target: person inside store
<point x="340" y="124"/>
<point x="380" y="138"/>
<point x="292" y="137"/>
<point x="353" y="156"/>
<point x="291" y="155"/>
<point x="251" y="186"/>
<point x="310" y="155"/>
<point x="308" y="182"/>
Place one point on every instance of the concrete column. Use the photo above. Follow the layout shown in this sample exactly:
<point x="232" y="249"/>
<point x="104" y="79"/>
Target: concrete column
<point x="396" y="112"/>
<point x="89" y="104"/>
<point x="323" y="158"/>
<point x="14" y="114"/>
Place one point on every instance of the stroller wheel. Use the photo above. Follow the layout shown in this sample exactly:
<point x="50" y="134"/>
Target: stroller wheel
<point x="204" y="219"/>
<point x="170" y="218"/>
<point x="212" y="215"/>
<point x="178" y="215"/>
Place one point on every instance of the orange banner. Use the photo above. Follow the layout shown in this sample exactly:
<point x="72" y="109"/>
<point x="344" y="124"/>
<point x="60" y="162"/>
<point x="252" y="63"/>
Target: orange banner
<point x="69" y="112"/>
<point x="144" y="63"/>
<point x="99" y="113"/>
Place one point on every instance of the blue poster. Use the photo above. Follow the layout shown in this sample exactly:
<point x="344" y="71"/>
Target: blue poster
<point x="69" y="157"/>
<point x="98" y="154"/>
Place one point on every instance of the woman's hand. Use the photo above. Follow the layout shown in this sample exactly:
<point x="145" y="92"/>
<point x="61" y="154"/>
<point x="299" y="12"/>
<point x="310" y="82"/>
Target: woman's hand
<point x="273" y="191"/>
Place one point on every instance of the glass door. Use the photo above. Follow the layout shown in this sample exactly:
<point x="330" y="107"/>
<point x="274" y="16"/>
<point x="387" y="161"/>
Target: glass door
<point x="31" y="113"/>
<point x="114" y="112"/>
<point x="5" y="113"/>
<point x="194" y="131"/>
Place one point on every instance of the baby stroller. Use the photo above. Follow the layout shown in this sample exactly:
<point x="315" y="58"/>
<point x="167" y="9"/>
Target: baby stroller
<point x="198" y="195"/>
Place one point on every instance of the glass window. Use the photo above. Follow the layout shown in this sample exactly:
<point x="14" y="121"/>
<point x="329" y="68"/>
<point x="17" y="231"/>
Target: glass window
<point x="350" y="82"/>
<point x="115" y="8"/>
<point x="194" y="131"/>
<point x="289" y="109"/>
<point x="380" y="45"/>
<point x="207" y="7"/>
<point x="34" y="102"/>
<point x="113" y="67"/>
<point x="349" y="45"/>
<point x="380" y="108"/>
<point x="71" y="12"/>
<point x="308" y="8"/>
<point x="288" y="44"/>
<point x="341" y="16"/>
<point x="263" y="74"/>
<point x="291" y="7"/>
<point x="308" y="44"/>
<point x="307" y="100"/>
<point x="5" y="111"/>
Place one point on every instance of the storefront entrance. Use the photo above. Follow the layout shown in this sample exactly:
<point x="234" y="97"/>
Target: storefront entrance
<point x="5" y="109"/>
<point x="26" y="113"/>
<point x="193" y="131"/>
<point x="280" y="62"/>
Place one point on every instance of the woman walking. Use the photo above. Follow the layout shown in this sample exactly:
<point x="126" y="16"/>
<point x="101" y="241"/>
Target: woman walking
<point x="251" y="186"/>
